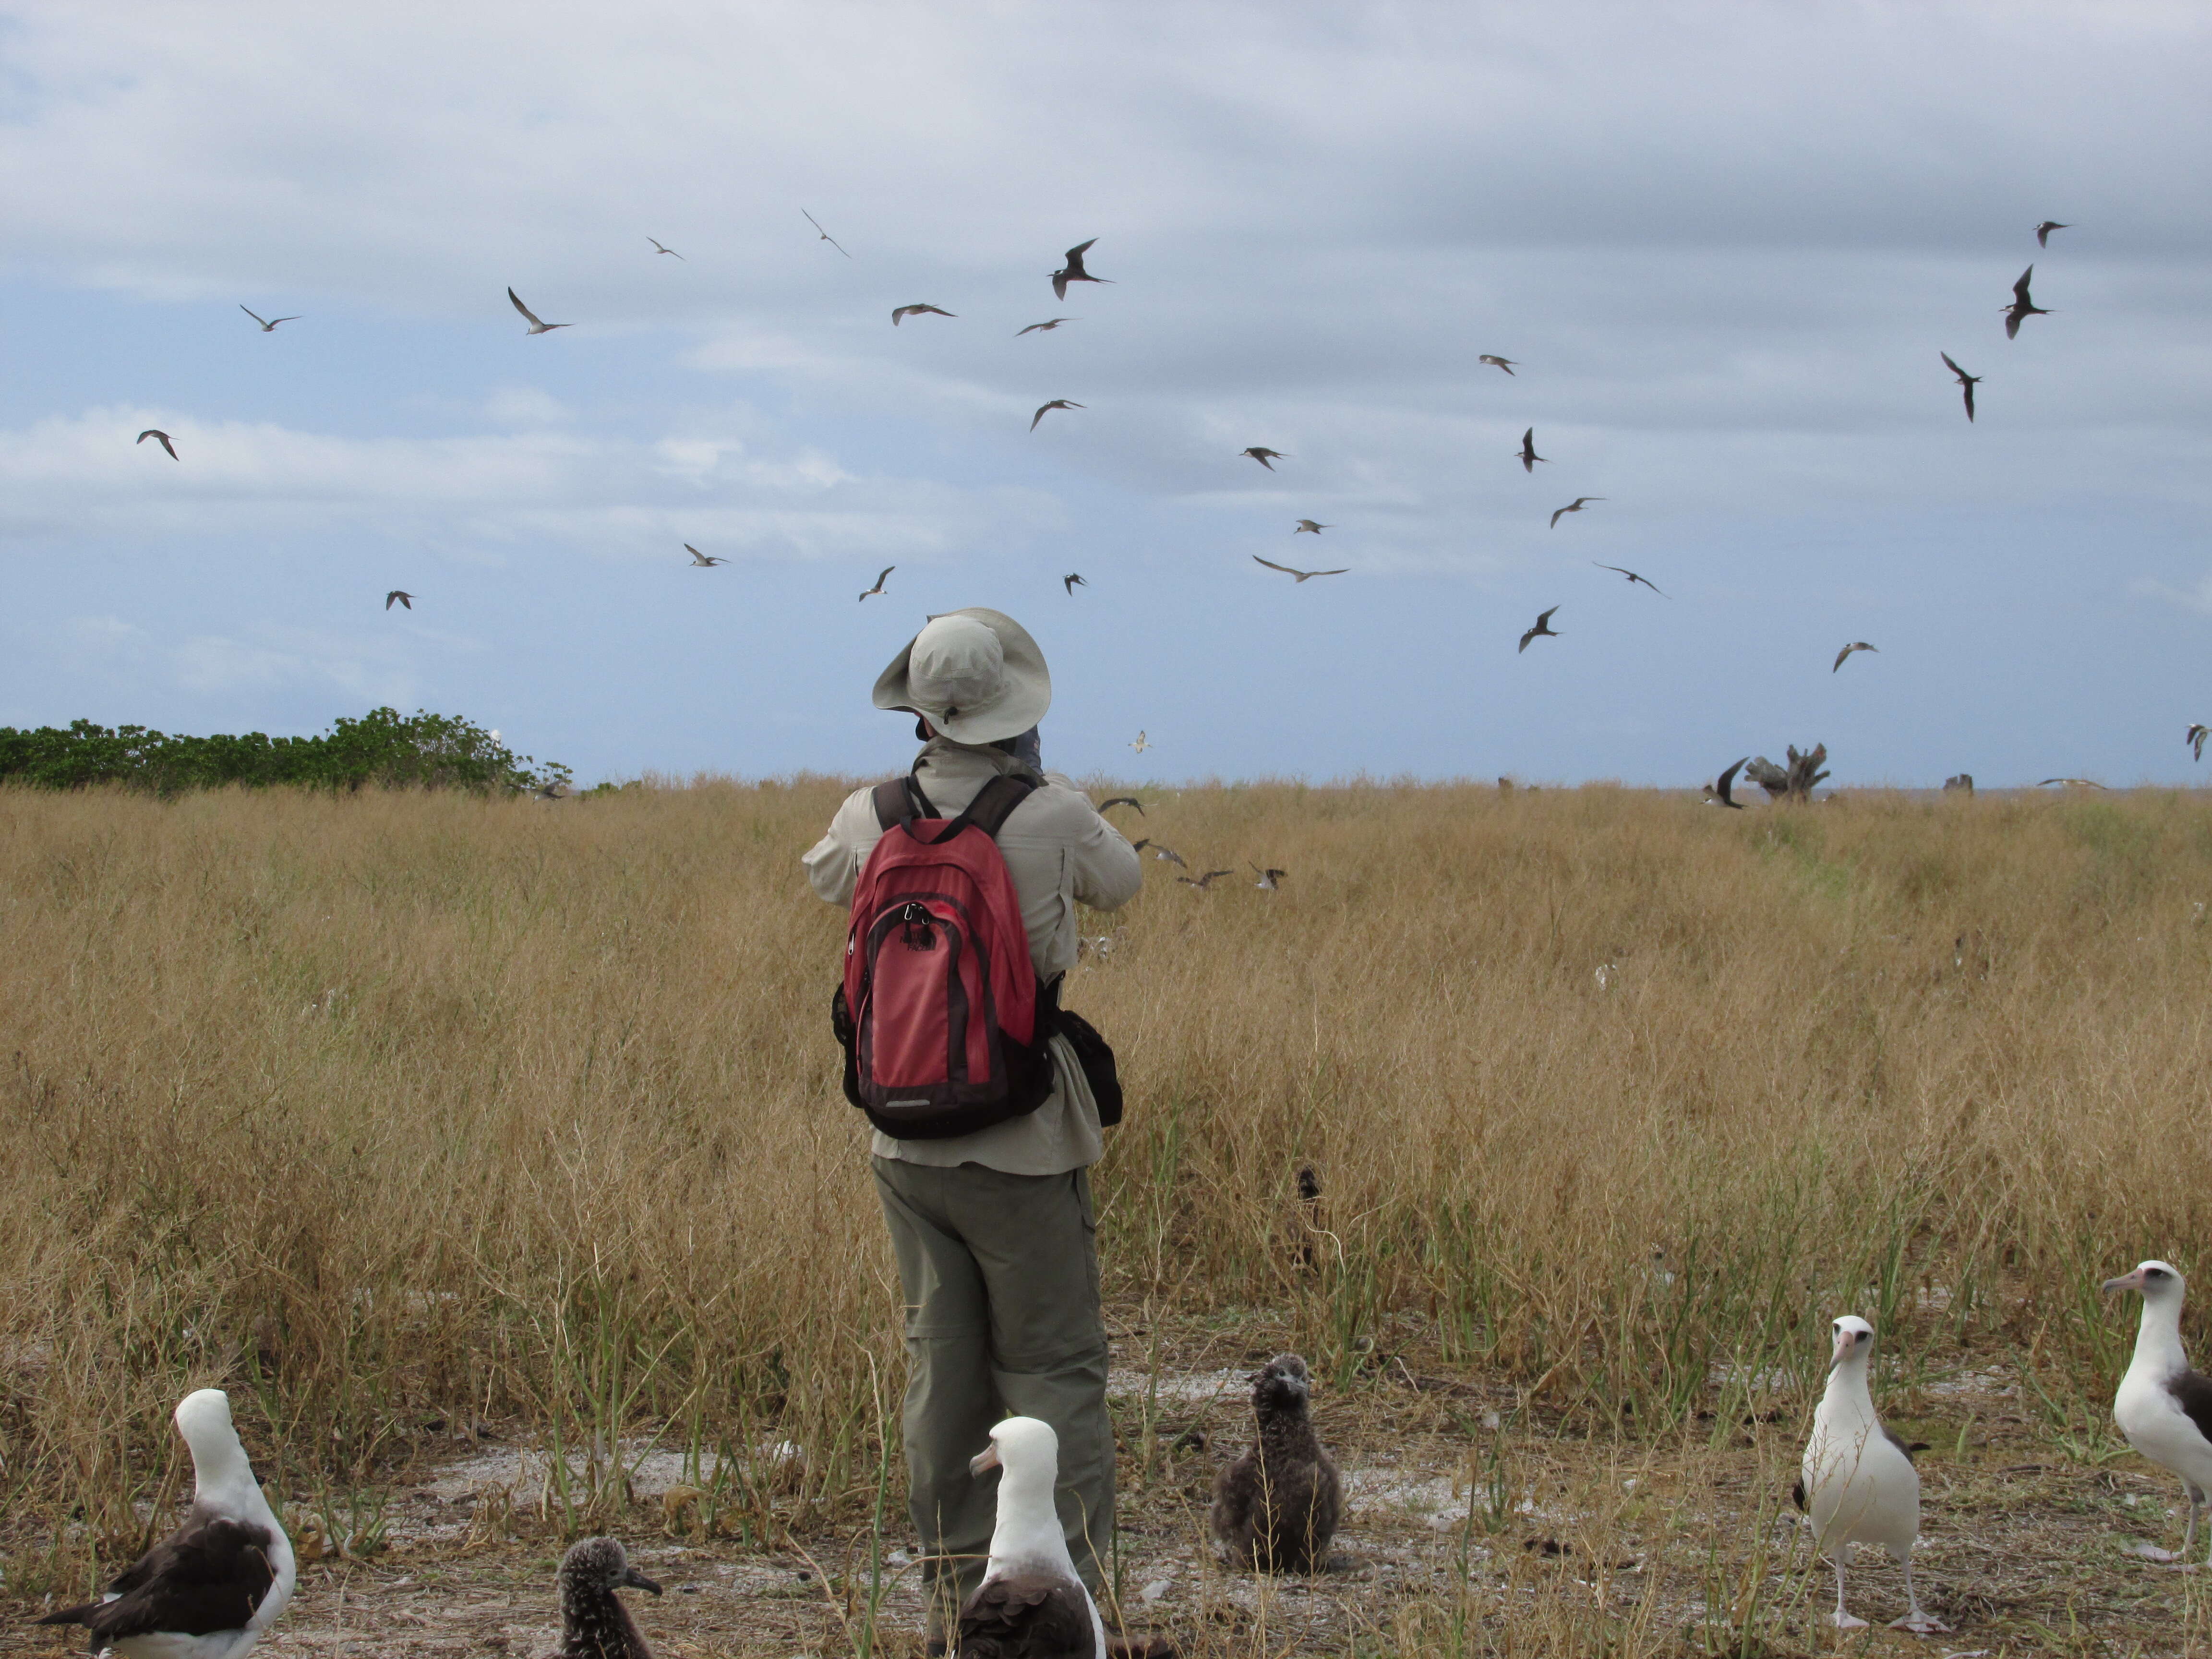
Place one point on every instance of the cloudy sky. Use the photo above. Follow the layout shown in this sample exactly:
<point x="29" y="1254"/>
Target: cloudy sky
<point x="1724" y="244"/>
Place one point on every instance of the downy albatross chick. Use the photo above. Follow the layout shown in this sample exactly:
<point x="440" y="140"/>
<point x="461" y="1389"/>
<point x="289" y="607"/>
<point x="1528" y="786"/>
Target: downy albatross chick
<point x="2163" y="1407"/>
<point x="1857" y="1484"/>
<point x="1030" y="1604"/>
<point x="594" y="1623"/>
<point x="1277" y="1507"/>
<point x="211" y="1587"/>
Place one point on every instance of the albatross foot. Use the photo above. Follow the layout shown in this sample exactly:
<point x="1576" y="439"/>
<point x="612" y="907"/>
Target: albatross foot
<point x="1844" y="1621"/>
<point x="1920" y="1624"/>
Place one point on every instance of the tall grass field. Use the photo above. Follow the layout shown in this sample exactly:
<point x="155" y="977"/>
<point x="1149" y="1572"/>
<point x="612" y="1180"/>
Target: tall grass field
<point x="395" y="1111"/>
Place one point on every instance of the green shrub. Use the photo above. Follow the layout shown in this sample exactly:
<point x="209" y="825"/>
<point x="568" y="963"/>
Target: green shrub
<point x="382" y="748"/>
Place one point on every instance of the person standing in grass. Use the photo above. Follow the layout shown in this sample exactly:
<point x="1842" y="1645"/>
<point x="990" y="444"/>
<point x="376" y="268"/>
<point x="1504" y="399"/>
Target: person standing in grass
<point x="993" y="1230"/>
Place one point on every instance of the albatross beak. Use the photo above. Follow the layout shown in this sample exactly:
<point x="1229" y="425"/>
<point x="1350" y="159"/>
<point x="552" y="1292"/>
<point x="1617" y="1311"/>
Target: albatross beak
<point x="637" y="1580"/>
<point x="1844" y="1343"/>
<point x="984" y="1461"/>
<point x="2133" y="1281"/>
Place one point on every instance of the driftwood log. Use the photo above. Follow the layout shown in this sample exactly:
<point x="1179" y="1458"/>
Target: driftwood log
<point x="1796" y="781"/>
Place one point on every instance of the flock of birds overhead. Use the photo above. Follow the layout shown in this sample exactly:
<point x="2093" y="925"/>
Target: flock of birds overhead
<point x="1073" y="269"/>
<point x="212" y="1586"/>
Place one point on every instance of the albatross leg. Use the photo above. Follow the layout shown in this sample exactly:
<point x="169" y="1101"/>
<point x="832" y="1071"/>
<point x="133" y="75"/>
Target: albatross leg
<point x="1843" y="1620"/>
<point x="1919" y="1623"/>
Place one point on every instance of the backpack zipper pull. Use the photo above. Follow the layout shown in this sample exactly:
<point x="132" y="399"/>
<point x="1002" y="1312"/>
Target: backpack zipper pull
<point x="918" y="931"/>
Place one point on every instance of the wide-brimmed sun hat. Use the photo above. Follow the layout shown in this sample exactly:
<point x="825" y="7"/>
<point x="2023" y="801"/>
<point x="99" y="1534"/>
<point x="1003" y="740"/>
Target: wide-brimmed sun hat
<point x="976" y="675"/>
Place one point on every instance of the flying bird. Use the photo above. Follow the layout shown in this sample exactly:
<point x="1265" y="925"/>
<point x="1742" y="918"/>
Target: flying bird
<point x="1505" y="363"/>
<point x="268" y="325"/>
<point x="1307" y="526"/>
<point x="1967" y="382"/>
<point x="1166" y="854"/>
<point x="2194" y="738"/>
<point x="154" y="432"/>
<point x="670" y="252"/>
<point x="2071" y="783"/>
<point x="1303" y="575"/>
<point x="1719" y="792"/>
<point x="594" y="1623"/>
<point x="1205" y="881"/>
<point x="1632" y="577"/>
<point x="1123" y="800"/>
<point x="1528" y="455"/>
<point x="878" y="587"/>
<point x="1855" y="645"/>
<point x="1070" y="581"/>
<point x="697" y="557"/>
<point x="2043" y="232"/>
<point x="1542" y="630"/>
<point x="1270" y="879"/>
<point x="826" y="236"/>
<point x="1074" y="271"/>
<point x="216" y="1585"/>
<point x="535" y="327"/>
<point x="1142" y="743"/>
<point x="2022" y="306"/>
<point x="406" y="600"/>
<point x="917" y="311"/>
<point x="1267" y="458"/>
<point x="1057" y="403"/>
<point x="1574" y="506"/>
<point x="1034" y="328"/>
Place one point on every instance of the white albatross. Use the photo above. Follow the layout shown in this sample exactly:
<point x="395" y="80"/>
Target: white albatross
<point x="1031" y="1603"/>
<point x="2163" y="1407"/>
<point x="211" y="1587"/>
<point x="1857" y="1485"/>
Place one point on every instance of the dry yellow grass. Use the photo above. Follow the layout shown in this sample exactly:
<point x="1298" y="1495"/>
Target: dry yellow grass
<point x="398" y="1110"/>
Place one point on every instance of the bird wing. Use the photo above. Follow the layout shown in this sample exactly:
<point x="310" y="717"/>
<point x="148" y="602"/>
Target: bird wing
<point x="1059" y="285"/>
<point x="1026" y="1615"/>
<point x="1123" y="800"/>
<point x="1039" y="416"/>
<point x="1075" y="255"/>
<point x="2020" y="288"/>
<point x="1841" y="654"/>
<point x="1953" y="366"/>
<point x="1727" y="778"/>
<point x="208" y="1576"/>
<point x="1897" y="1440"/>
<point x="249" y="312"/>
<point x="523" y="308"/>
<point x="2192" y="1392"/>
<point x="1329" y="572"/>
<point x="1528" y="636"/>
<point x="1285" y="568"/>
<point x="1967" y="385"/>
<point x="884" y="572"/>
<point x="1214" y="875"/>
<point x="1556" y="516"/>
<point x="1544" y="620"/>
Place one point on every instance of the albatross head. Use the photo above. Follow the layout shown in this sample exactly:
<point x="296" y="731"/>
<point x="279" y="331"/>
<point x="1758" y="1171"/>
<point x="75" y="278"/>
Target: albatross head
<point x="1854" y="1341"/>
<point x="599" y="1565"/>
<point x="1282" y="1383"/>
<point x="1021" y="1447"/>
<point x="2158" y="1281"/>
<point x="218" y="1460"/>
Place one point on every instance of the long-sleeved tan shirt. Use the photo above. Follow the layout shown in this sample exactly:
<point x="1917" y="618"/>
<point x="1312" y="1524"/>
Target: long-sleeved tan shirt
<point x="1060" y="853"/>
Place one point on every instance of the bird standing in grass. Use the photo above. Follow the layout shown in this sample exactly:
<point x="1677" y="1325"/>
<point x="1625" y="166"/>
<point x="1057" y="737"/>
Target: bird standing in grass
<point x="1030" y="1605"/>
<point x="594" y="1623"/>
<point x="1857" y="1485"/>
<point x="2163" y="1406"/>
<point x="212" y="1586"/>
<point x="1276" y="1508"/>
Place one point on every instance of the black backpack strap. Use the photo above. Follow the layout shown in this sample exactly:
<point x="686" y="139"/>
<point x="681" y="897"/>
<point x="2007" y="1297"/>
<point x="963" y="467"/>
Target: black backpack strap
<point x="995" y="801"/>
<point x="900" y="800"/>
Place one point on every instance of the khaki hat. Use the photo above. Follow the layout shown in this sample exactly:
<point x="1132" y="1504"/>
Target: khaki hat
<point x="976" y="675"/>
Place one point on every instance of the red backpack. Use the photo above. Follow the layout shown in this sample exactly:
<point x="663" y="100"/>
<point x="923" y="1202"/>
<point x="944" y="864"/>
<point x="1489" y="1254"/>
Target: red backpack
<point x="944" y="1021"/>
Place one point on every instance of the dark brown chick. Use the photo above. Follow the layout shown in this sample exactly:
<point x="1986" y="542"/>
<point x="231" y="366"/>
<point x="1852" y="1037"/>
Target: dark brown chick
<point x="1276" y="1507"/>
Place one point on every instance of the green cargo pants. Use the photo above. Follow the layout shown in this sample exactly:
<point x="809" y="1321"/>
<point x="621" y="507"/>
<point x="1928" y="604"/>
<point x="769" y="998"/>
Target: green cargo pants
<point x="1000" y="1277"/>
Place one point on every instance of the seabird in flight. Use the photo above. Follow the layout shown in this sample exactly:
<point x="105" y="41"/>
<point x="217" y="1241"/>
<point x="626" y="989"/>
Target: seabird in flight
<point x="826" y="236"/>
<point x="406" y="600"/>
<point x="1057" y="403"/>
<point x="1632" y="577"/>
<point x="1303" y="575"/>
<point x="1719" y="792"/>
<point x="878" y="587"/>
<point x="1574" y="506"/>
<point x="2022" y="306"/>
<point x="903" y="312"/>
<point x="1855" y="645"/>
<point x="1267" y="458"/>
<point x="1528" y="455"/>
<point x="154" y="432"/>
<point x="1542" y="630"/>
<point x="535" y="327"/>
<point x="2043" y="232"/>
<point x="1070" y="581"/>
<point x="1967" y="382"/>
<point x="697" y="557"/>
<point x="670" y="252"/>
<point x="1307" y="526"/>
<point x="1497" y="362"/>
<point x="268" y="325"/>
<point x="1074" y="271"/>
<point x="1034" y="328"/>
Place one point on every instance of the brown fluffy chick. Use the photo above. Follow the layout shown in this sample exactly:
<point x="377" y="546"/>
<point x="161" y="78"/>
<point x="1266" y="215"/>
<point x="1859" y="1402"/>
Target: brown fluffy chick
<point x="1277" y="1507"/>
<point x="594" y="1624"/>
